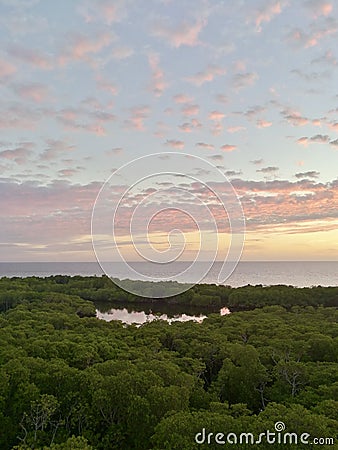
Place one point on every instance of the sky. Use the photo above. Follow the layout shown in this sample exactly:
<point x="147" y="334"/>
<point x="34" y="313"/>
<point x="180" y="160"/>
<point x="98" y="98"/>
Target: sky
<point x="249" y="87"/>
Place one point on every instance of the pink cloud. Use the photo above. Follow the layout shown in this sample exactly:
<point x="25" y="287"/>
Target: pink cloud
<point x="158" y="83"/>
<point x="217" y="129"/>
<point x="235" y="129"/>
<point x="303" y="141"/>
<point x="316" y="139"/>
<point x="295" y="118"/>
<point x="207" y="75"/>
<point x="175" y="143"/>
<point x="263" y="124"/>
<point x="316" y="33"/>
<point x="182" y="98"/>
<point x="319" y="7"/>
<point x="80" y="119"/>
<point x="19" y="116"/>
<point x="19" y="154"/>
<point x="196" y="123"/>
<point x="190" y="110"/>
<point x="55" y="149"/>
<point x="80" y="47"/>
<point x="161" y="129"/>
<point x="35" y="92"/>
<point x="137" y="118"/>
<point x="183" y="34"/>
<point x="216" y="115"/>
<point x="107" y="86"/>
<point x="333" y="126"/>
<point x="6" y="69"/>
<point x="228" y="148"/>
<point x="31" y="56"/>
<point x="266" y="14"/>
<point x="186" y="127"/>
<point x="103" y="11"/>
<point x="67" y="172"/>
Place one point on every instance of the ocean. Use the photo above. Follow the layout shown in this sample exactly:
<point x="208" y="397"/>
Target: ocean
<point x="295" y="273"/>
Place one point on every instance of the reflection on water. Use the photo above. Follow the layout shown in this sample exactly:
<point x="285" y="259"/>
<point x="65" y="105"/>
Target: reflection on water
<point x="140" y="314"/>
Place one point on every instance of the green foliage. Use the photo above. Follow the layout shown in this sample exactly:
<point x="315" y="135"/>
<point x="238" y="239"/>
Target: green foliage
<point x="69" y="381"/>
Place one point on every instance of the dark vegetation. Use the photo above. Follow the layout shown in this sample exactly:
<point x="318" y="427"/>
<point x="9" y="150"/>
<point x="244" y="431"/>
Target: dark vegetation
<point x="71" y="381"/>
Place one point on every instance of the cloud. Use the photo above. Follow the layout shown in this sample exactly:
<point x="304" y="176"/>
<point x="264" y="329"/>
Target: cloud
<point x="295" y="118"/>
<point x="243" y="80"/>
<point x="55" y="149"/>
<point x="263" y="124"/>
<point x="190" y="110"/>
<point x="30" y="56"/>
<point x="267" y="170"/>
<point x="182" y="98"/>
<point x="319" y="7"/>
<point x="196" y="123"/>
<point x="158" y="83"/>
<point x="80" y="119"/>
<point x="65" y="208"/>
<point x="235" y="129"/>
<point x="19" y="116"/>
<point x="216" y="115"/>
<point x="207" y="75"/>
<point x="183" y="34"/>
<point x="104" y="11"/>
<point x="327" y="58"/>
<point x="218" y="158"/>
<point x="138" y="114"/>
<point x="334" y="142"/>
<point x="161" y="129"/>
<point x="186" y="127"/>
<point x="309" y="174"/>
<point x="114" y="151"/>
<point x="6" y="69"/>
<point x="59" y="206"/>
<point x="267" y="13"/>
<point x="333" y="126"/>
<point x="232" y="173"/>
<point x="253" y="111"/>
<point x="107" y="86"/>
<point x="316" y="139"/>
<point x="67" y="172"/>
<point x="19" y="154"/>
<point x="312" y="76"/>
<point x="222" y="98"/>
<point x="80" y="47"/>
<point x="36" y="92"/>
<point x="122" y="52"/>
<point x="175" y="143"/>
<point x="205" y="146"/>
<point x="257" y="162"/>
<point x="228" y="148"/>
<point x="316" y="32"/>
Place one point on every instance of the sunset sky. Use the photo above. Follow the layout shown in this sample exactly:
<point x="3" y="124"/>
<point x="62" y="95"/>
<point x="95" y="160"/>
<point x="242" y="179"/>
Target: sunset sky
<point x="88" y="86"/>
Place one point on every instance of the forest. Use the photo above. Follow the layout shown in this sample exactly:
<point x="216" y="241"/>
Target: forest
<point x="70" y="381"/>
